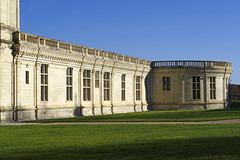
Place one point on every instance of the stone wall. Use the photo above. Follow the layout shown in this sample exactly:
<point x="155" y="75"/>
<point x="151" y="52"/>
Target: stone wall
<point x="33" y="51"/>
<point x="180" y="93"/>
<point x="9" y="23"/>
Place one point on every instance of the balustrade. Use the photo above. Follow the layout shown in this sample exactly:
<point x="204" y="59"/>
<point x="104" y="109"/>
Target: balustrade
<point x="25" y="37"/>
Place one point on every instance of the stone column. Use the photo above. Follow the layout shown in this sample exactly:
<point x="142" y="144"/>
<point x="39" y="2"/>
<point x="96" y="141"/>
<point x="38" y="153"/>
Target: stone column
<point x="134" y="92"/>
<point x="143" y="93"/>
<point x="92" y="90"/>
<point x="112" y="90"/>
<point x="101" y="86"/>
<point x="81" y="86"/>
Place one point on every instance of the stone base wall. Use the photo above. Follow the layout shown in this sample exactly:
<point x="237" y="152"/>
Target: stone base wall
<point x="28" y="115"/>
<point x="188" y="107"/>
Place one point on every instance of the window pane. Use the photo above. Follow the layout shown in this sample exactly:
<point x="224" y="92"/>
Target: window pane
<point x="138" y="86"/>
<point x="46" y="79"/>
<point x="168" y="80"/>
<point x="123" y="85"/>
<point x="97" y="75"/>
<point x="198" y="85"/>
<point x="42" y="93"/>
<point x="97" y="83"/>
<point x="42" y="69"/>
<point x="138" y="95"/>
<point x="85" y="73"/>
<point x="46" y="93"/>
<point x="84" y="94"/>
<point x="138" y="79"/>
<point x="42" y="79"/>
<point x="168" y="87"/>
<point x="194" y="85"/>
<point x="198" y="79"/>
<point x="67" y="72"/>
<point x="46" y="68"/>
<point x="27" y="77"/>
<point x="70" y="81"/>
<point x="164" y="80"/>
<point x="88" y="83"/>
<point x="89" y="94"/>
<point x="198" y="94"/>
<point x="123" y="95"/>
<point x="123" y="77"/>
<point x="194" y="94"/>
<point x="108" y="94"/>
<point x="105" y="94"/>
<point x="71" y="97"/>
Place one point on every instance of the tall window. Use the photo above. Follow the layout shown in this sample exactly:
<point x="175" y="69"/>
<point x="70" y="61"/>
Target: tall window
<point x="196" y="87"/>
<point x="106" y="86"/>
<point x="138" y="88"/>
<point x="69" y="83"/>
<point x="123" y="86"/>
<point x="27" y="77"/>
<point x="166" y="83"/>
<point x="86" y="85"/>
<point x="97" y="79"/>
<point x="212" y="87"/>
<point x="44" y="82"/>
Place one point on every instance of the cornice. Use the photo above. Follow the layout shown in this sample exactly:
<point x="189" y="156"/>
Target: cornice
<point x="7" y="27"/>
<point x="6" y="41"/>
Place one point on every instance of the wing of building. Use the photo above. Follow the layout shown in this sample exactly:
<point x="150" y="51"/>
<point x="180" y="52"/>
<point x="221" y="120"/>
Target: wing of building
<point x="42" y="78"/>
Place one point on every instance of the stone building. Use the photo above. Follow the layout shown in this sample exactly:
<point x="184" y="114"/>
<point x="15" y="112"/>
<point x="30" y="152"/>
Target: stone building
<point x="43" y="78"/>
<point x="189" y="85"/>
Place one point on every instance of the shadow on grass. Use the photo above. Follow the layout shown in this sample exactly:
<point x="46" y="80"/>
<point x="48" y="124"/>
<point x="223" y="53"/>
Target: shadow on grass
<point x="200" y="148"/>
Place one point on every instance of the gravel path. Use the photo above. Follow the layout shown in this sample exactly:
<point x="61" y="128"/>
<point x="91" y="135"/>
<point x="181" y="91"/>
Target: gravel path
<point x="232" y="121"/>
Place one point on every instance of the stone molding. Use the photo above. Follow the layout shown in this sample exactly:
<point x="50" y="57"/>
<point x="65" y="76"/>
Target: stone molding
<point x="32" y="51"/>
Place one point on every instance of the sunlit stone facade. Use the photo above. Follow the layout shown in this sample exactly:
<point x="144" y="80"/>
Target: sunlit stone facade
<point x="42" y="78"/>
<point x="189" y="85"/>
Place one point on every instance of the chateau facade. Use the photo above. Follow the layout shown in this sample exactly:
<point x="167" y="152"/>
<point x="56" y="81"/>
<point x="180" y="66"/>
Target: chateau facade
<point x="42" y="78"/>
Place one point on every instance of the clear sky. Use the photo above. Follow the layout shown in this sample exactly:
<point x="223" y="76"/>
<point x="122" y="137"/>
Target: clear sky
<point x="149" y="29"/>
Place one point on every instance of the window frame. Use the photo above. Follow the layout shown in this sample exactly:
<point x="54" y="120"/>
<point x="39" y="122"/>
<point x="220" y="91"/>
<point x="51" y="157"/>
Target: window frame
<point x="123" y="87"/>
<point x="87" y="85"/>
<point x="44" y="82"/>
<point x="196" y="88"/>
<point x="212" y="88"/>
<point x="106" y="86"/>
<point x="138" y="88"/>
<point x="97" y="79"/>
<point x="69" y="84"/>
<point x="166" y="83"/>
<point x="27" y="77"/>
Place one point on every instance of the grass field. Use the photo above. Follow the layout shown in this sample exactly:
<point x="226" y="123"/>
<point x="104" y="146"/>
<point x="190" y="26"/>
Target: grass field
<point x="161" y="116"/>
<point x="127" y="142"/>
<point x="113" y="142"/>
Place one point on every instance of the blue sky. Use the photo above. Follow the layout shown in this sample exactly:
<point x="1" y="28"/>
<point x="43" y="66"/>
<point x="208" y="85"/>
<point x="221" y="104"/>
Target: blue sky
<point x="148" y="29"/>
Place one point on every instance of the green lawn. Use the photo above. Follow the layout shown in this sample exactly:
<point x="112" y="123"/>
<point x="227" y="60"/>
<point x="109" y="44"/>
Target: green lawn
<point x="161" y="116"/>
<point x="113" y="142"/>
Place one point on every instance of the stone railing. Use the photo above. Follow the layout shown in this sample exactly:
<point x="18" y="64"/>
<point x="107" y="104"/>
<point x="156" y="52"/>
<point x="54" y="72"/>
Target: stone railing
<point x="162" y="64"/>
<point x="43" y="41"/>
